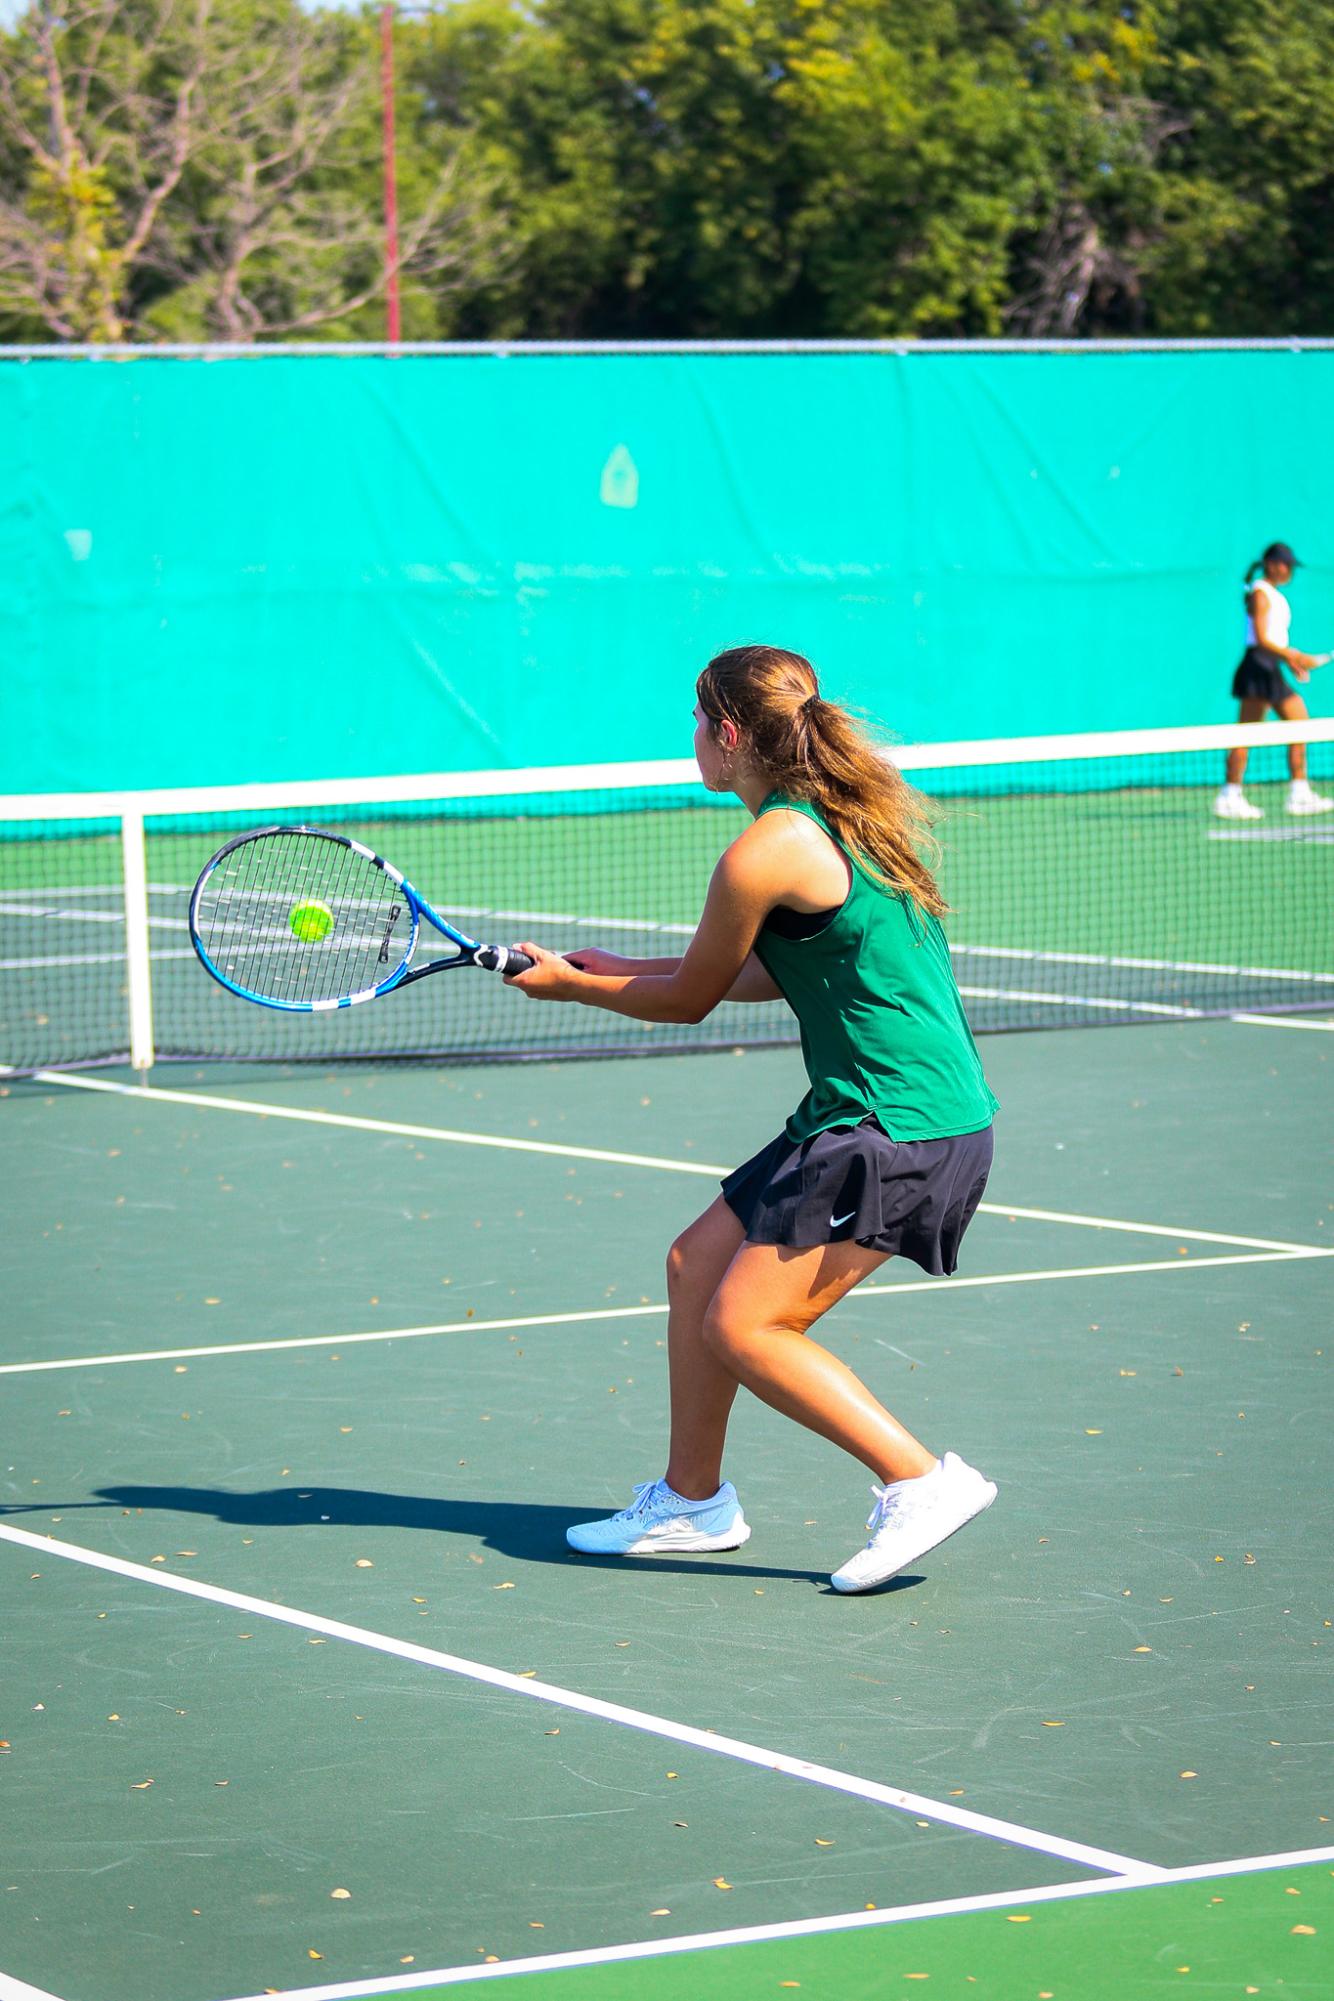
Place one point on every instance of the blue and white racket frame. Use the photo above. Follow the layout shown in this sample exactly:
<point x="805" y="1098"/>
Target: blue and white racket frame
<point x="504" y="959"/>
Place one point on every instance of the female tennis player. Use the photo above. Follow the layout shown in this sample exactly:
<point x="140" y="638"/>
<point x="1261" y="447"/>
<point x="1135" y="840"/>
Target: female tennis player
<point x="823" y="901"/>
<point x="1259" y="686"/>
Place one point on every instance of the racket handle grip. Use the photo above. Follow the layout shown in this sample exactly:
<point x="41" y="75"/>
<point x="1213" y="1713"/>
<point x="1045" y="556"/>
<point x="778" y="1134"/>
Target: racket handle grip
<point x="507" y="959"/>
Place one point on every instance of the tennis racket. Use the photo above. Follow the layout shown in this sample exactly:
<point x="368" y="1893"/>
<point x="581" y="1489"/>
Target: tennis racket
<point x="297" y="918"/>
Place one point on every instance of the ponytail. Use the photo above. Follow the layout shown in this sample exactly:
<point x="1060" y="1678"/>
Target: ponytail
<point x="1257" y="565"/>
<point x="815" y="751"/>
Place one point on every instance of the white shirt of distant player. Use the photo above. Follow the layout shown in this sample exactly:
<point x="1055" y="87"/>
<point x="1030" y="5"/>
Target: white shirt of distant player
<point x="1279" y="619"/>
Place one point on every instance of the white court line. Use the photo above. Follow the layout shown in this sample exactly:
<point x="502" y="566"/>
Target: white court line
<point x="939" y="1286"/>
<point x="1049" y="958"/>
<point x="709" y="1168"/>
<point x="992" y="1900"/>
<point x="1281" y="1021"/>
<point x="590" y="1705"/>
<point x="1082" y="1000"/>
<point x="19" y="1990"/>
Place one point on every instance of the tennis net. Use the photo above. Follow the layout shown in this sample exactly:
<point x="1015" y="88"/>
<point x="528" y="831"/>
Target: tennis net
<point x="1089" y="878"/>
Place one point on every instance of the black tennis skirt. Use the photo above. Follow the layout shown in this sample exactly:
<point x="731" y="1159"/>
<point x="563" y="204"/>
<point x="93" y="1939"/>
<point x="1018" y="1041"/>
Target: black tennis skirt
<point x="913" y="1198"/>
<point x="1259" y="677"/>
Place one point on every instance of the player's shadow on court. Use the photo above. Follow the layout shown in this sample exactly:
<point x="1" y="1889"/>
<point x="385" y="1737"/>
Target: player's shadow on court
<point x="533" y="1532"/>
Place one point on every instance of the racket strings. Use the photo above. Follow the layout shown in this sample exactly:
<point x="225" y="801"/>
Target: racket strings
<point x="251" y="922"/>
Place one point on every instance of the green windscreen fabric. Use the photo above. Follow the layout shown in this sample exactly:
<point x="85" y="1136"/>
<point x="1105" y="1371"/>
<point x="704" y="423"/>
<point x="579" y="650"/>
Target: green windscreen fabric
<point x="285" y="567"/>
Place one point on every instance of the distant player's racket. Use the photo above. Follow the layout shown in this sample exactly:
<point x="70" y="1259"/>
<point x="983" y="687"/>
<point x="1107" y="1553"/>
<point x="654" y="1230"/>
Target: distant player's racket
<point x="294" y="917"/>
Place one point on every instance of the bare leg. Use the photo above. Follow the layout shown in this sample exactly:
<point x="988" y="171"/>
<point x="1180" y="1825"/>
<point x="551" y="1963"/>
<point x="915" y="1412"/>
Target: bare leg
<point x="1253" y="710"/>
<point x="703" y="1390"/>
<point x="1294" y="710"/>
<point x="756" y="1326"/>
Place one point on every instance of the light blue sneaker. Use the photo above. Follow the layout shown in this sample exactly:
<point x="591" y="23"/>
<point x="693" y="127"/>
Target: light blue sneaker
<point x="659" y="1521"/>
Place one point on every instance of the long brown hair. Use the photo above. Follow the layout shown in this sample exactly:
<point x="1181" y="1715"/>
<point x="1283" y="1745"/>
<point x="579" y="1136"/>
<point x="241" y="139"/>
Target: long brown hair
<point x="815" y="750"/>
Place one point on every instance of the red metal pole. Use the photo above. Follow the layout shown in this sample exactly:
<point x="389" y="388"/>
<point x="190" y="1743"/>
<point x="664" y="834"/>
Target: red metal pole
<point x="393" y="320"/>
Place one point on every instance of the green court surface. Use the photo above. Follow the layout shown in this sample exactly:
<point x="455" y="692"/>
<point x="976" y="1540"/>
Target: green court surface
<point x="1240" y="1934"/>
<point x="302" y="1691"/>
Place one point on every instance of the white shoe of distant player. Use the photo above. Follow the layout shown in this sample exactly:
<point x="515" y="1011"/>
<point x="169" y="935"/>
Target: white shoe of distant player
<point x="912" y="1516"/>
<point x="1232" y="804"/>
<point x="1302" y="800"/>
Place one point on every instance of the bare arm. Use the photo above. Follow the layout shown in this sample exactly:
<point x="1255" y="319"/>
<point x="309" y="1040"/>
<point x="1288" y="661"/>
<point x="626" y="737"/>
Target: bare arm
<point x="1257" y="604"/>
<point x="752" y="875"/>
<point x="752" y="983"/>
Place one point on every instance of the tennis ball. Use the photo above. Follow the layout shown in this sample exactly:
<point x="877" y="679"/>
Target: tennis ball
<point x="310" y="922"/>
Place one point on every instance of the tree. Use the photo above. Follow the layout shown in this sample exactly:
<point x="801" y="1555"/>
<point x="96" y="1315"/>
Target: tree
<point x="210" y="169"/>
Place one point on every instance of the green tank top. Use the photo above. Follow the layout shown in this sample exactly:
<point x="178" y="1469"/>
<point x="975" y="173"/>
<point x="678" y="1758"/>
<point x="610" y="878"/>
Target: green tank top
<point x="883" y="1031"/>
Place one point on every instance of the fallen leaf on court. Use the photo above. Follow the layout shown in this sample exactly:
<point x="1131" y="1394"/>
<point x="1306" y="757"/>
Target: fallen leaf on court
<point x="822" y="1844"/>
<point x="526" y="1674"/>
<point x="721" y="1883"/>
<point x="1188" y="1775"/>
<point x="364" y="1563"/>
<point x="1144" y="1650"/>
<point x="551" y="1733"/>
<point x="140" y="1785"/>
<point x="312" y="1954"/>
<point x="1050" y="1723"/>
<point x="1024" y="1920"/>
<point x="502" y="1587"/>
<point x="419" y="1601"/>
<point x="536" y="1925"/>
<point x="5" y="1744"/>
<point x="1303" y="1931"/>
<point x="342" y="1895"/>
<point x="662" y="1912"/>
<point x="1248" y="1558"/>
<point x="408" y="1959"/>
<point x="1091" y="1434"/>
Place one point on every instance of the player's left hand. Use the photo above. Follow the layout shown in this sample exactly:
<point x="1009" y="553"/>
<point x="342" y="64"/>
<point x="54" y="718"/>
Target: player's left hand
<point x="550" y="977"/>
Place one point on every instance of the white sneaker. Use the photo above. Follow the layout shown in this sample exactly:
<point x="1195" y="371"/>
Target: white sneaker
<point x="659" y="1521"/>
<point x="912" y="1516"/>
<point x="1232" y="804"/>
<point x="1302" y="800"/>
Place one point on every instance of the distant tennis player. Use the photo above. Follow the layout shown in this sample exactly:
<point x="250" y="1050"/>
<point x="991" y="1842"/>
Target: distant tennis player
<point x="1259" y="685"/>
<point x="823" y="901"/>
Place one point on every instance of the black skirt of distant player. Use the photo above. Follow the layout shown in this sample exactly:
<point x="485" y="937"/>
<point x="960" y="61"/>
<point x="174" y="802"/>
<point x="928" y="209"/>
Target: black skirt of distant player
<point x="1259" y="678"/>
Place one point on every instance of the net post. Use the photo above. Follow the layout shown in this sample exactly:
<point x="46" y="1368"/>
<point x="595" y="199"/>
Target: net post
<point x="138" y="974"/>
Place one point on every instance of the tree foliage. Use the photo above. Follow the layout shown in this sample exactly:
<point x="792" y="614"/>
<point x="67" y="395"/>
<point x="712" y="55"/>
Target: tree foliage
<point x="608" y="169"/>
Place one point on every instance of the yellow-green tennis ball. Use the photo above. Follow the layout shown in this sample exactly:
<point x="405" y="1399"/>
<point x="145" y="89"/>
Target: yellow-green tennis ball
<point x="310" y="922"/>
